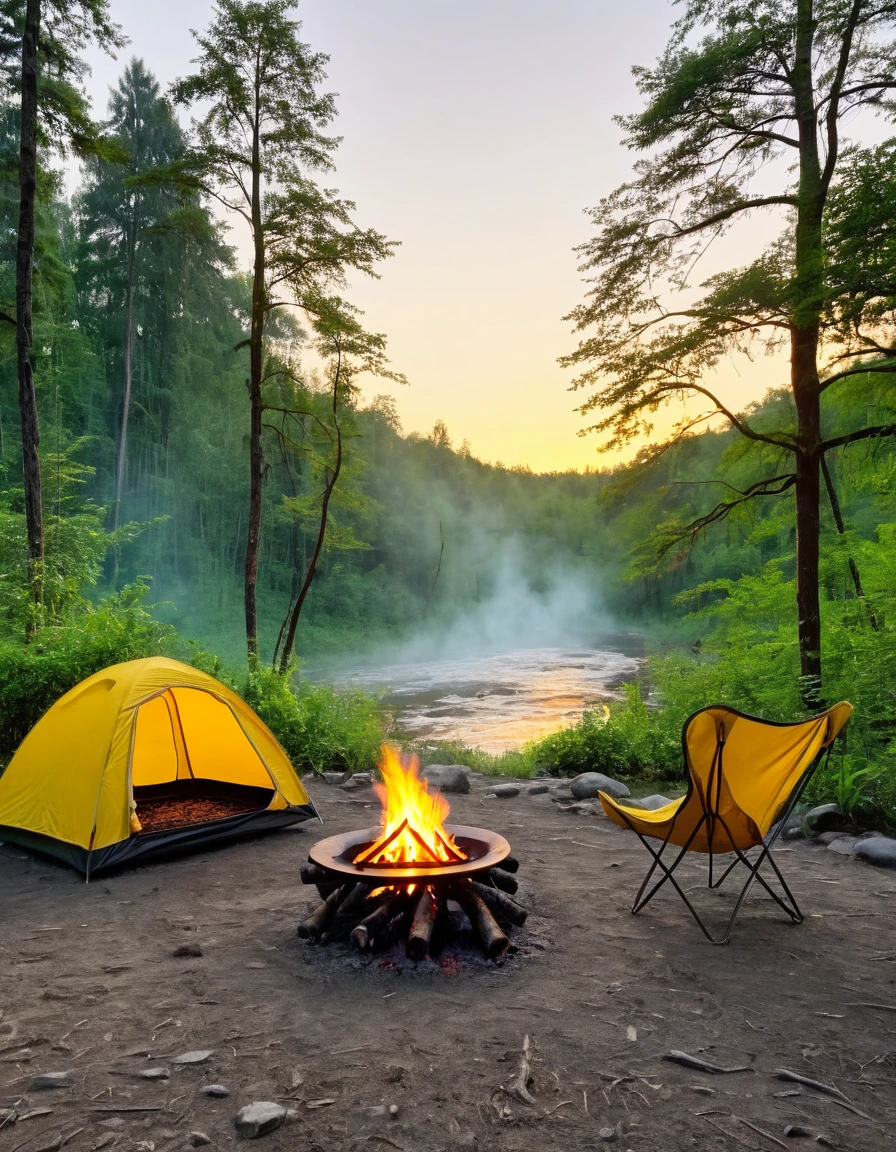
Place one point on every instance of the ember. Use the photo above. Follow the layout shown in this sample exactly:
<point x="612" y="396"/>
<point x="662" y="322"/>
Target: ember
<point x="406" y="877"/>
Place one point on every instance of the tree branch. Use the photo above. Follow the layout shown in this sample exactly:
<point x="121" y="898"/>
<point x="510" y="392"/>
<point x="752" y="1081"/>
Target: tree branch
<point x="722" y="510"/>
<point x="878" y="432"/>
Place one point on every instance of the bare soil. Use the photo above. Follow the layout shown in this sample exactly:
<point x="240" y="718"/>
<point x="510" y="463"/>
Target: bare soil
<point x="90" y="983"/>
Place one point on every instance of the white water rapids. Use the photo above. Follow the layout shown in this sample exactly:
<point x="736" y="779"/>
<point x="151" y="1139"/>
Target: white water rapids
<point x="500" y="700"/>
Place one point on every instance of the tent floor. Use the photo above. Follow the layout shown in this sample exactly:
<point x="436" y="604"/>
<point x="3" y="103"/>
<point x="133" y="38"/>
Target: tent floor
<point x="188" y="802"/>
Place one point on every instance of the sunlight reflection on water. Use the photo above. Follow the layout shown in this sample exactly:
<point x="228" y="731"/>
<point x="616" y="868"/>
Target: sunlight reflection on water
<point x="499" y="700"/>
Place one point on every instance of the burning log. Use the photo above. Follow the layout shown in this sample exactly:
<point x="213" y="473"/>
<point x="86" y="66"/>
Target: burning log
<point x="494" y="942"/>
<point x="502" y="880"/>
<point x="501" y="905"/>
<point x="364" y="935"/>
<point x="425" y="915"/>
<point x="313" y="927"/>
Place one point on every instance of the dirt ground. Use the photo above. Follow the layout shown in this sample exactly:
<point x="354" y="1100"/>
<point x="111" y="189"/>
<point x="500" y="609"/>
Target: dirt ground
<point x="90" y="983"/>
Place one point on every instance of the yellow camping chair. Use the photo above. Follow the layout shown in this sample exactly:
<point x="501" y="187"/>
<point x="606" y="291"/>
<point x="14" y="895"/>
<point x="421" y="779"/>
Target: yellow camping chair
<point x="745" y="777"/>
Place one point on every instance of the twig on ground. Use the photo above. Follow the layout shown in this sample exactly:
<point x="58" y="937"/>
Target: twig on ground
<point x="761" y="1131"/>
<point x="556" y="1106"/>
<point x="818" y="1085"/>
<point x="519" y="1085"/>
<point x="702" y="1065"/>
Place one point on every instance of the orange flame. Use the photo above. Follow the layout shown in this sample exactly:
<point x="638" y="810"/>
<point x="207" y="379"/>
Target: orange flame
<point x="413" y="817"/>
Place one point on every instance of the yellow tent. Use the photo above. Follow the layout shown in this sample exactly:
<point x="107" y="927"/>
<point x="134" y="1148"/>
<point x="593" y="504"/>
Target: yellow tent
<point x="136" y="733"/>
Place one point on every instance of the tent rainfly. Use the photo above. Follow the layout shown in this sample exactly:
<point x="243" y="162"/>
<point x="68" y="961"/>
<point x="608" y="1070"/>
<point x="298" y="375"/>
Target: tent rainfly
<point x="137" y="733"/>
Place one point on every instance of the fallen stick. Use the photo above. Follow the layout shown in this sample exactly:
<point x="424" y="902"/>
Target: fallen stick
<point x="818" y="1085"/>
<point x="761" y="1131"/>
<point x="701" y="1065"/>
<point x="519" y="1085"/>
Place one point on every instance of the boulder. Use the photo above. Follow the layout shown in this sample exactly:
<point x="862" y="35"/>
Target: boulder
<point x="879" y="850"/>
<point x="821" y="819"/>
<point x="503" y="791"/>
<point x="259" y="1118"/>
<point x="334" y="777"/>
<point x="590" y="783"/>
<point x="448" y="777"/>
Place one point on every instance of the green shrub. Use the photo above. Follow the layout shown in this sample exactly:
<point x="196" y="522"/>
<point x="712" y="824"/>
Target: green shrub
<point x="318" y="726"/>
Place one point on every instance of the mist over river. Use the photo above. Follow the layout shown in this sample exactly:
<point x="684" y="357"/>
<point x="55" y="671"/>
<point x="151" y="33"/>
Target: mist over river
<point x="499" y="700"/>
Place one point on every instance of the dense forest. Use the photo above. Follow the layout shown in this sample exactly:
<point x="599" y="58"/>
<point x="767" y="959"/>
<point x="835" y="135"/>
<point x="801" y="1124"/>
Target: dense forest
<point x="209" y="473"/>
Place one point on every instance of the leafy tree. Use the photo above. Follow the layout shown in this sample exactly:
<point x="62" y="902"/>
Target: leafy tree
<point x="768" y="81"/>
<point x="259" y="144"/>
<point x="54" y="114"/>
<point x="127" y="215"/>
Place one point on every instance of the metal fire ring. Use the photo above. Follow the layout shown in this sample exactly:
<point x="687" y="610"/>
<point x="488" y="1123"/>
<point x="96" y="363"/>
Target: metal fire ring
<point x="483" y="848"/>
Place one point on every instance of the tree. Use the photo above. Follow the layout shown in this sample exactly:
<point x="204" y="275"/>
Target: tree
<point x="770" y="80"/>
<point x="126" y="214"/>
<point x="54" y="115"/>
<point x="349" y="352"/>
<point x="258" y="144"/>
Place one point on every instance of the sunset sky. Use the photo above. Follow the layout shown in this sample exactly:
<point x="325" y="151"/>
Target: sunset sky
<point x="475" y="132"/>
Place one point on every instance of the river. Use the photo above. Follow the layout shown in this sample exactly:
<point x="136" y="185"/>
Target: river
<point x="500" y="700"/>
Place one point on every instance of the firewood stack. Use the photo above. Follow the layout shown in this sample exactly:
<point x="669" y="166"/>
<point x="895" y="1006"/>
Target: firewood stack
<point x="374" y="915"/>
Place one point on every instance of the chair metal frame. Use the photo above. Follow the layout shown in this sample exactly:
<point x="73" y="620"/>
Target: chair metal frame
<point x="711" y="817"/>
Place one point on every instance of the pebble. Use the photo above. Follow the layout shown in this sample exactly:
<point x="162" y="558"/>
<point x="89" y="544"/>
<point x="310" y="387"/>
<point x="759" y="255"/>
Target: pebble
<point x="820" y="819"/>
<point x="50" y="1080"/>
<point x="503" y="791"/>
<point x="448" y="777"/>
<point x="145" y="1073"/>
<point x="217" y="1090"/>
<point x="197" y="1139"/>
<point x="258" y="1119"/>
<point x="193" y="1057"/>
<point x="393" y="1109"/>
<point x="879" y="850"/>
<point x="608" y="1134"/>
<point x="588" y="784"/>
<point x="188" y="950"/>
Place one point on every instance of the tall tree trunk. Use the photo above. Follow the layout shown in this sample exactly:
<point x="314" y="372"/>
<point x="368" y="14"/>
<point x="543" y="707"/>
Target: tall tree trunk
<point x="256" y="365"/>
<point x="804" y="338"/>
<point x="292" y="618"/>
<point x="121" y="464"/>
<point x="24" y="328"/>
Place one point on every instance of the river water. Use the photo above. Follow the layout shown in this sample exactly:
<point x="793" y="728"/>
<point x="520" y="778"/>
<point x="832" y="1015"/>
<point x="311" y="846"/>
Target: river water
<point x="500" y="700"/>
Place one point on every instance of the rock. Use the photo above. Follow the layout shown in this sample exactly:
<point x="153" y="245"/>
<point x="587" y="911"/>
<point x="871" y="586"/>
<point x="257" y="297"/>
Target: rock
<point x="102" y="1141"/>
<point x="447" y="777"/>
<point x="503" y="791"/>
<point x="608" y="1134"/>
<point x="193" y="1057"/>
<point x="216" y="1090"/>
<point x="844" y="845"/>
<point x="393" y="1109"/>
<point x="590" y="783"/>
<point x="258" y="1119"/>
<point x="651" y="803"/>
<point x="825" y="839"/>
<point x="879" y="850"/>
<point x="113" y="1122"/>
<point x="537" y="789"/>
<point x="45" y="1080"/>
<point x="143" y="1073"/>
<point x="197" y="1139"/>
<point x="357" y="782"/>
<point x="188" y="950"/>
<point x="820" y="819"/>
<point x="334" y="777"/>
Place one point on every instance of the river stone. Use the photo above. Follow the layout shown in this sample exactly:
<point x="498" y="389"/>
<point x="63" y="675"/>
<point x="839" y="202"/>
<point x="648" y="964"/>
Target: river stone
<point x="649" y="803"/>
<point x="537" y="789"/>
<point x="590" y="783"/>
<point x="197" y="1057"/>
<point x="844" y="845"/>
<point x="197" y="1139"/>
<point x="357" y="782"/>
<point x="821" y="819"/>
<point x="879" y="850"/>
<point x="217" y="1090"/>
<point x="50" y="1080"/>
<point x="334" y="777"/>
<point x="447" y="777"/>
<point x="258" y="1119"/>
<point x="503" y="791"/>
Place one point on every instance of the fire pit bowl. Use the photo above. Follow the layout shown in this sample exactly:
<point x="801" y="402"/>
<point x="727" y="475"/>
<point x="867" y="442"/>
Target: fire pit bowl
<point x="484" y="849"/>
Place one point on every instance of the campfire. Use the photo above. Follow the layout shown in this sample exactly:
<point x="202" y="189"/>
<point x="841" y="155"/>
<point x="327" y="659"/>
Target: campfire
<point x="405" y="878"/>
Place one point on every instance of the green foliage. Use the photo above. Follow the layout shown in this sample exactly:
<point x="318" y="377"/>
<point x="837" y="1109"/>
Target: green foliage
<point x="628" y="740"/>
<point x="33" y="676"/>
<point x="319" y="727"/>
